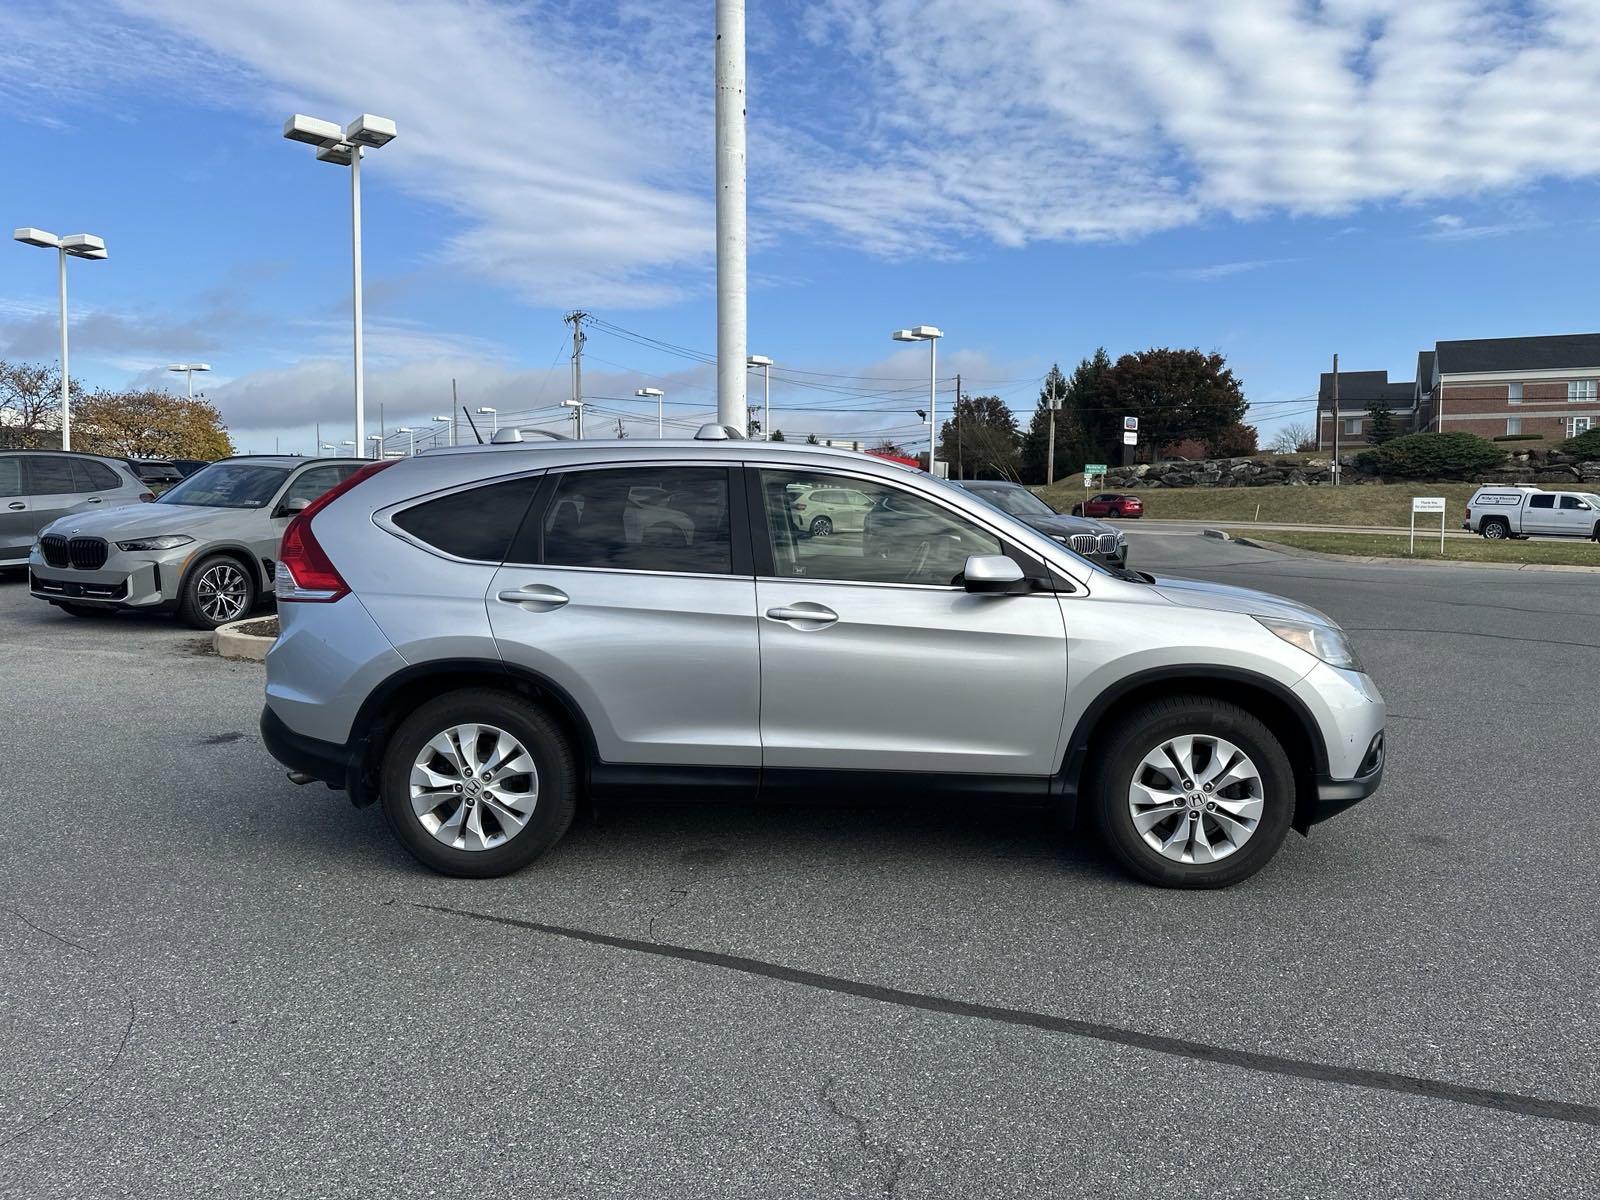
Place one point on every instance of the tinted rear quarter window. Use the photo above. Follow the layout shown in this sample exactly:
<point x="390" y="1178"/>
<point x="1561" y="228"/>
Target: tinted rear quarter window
<point x="476" y="524"/>
<point x="91" y="476"/>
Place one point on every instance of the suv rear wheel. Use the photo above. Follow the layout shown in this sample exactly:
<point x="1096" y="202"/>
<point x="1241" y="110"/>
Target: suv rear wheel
<point x="478" y="783"/>
<point x="1193" y="793"/>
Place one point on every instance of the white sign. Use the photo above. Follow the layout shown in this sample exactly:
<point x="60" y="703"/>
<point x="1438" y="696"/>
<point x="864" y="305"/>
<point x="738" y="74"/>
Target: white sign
<point x="1130" y="422"/>
<point x="1088" y="480"/>
<point x="1130" y="438"/>
<point x="1427" y="504"/>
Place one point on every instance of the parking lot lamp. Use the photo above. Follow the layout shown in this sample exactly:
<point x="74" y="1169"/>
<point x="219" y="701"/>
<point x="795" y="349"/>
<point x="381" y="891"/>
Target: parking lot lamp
<point x="187" y="370"/>
<point x="927" y="333"/>
<point x="377" y="444"/>
<point x="77" y="245"/>
<point x="344" y="148"/>
<point x="450" y="421"/>
<point x="661" y="419"/>
<point x="765" y="363"/>
<point x="411" y="433"/>
<point x="494" y="419"/>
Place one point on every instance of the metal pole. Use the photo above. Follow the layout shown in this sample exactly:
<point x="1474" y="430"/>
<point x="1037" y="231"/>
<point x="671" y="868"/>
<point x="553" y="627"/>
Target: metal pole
<point x="933" y="399"/>
<point x="317" y="452"/>
<point x="355" y="295"/>
<point x="1050" y="453"/>
<point x="66" y="376"/>
<point x="1335" y="420"/>
<point x="961" y="458"/>
<point x="732" y="296"/>
<point x="455" y="403"/>
<point x="766" y="398"/>
<point x="661" y="417"/>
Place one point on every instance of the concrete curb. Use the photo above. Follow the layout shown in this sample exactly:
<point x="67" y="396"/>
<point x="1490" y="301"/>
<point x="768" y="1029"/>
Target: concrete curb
<point x="230" y="641"/>
<point x="1380" y="560"/>
<point x="1222" y="535"/>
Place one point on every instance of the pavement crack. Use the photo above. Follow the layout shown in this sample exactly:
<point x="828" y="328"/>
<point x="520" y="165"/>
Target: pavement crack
<point x="893" y="1172"/>
<point x="682" y="894"/>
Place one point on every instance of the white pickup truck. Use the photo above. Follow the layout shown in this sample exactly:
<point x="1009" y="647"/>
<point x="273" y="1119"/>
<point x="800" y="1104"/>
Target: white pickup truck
<point x="1511" y="512"/>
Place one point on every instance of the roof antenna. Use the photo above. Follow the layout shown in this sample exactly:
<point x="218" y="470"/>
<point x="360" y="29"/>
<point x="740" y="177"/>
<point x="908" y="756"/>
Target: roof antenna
<point x="473" y="424"/>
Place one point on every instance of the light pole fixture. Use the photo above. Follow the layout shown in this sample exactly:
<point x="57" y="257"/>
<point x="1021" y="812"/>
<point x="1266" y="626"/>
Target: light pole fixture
<point x="765" y="363"/>
<point x="450" y="421"/>
<point x="188" y="370"/>
<point x="577" y="415"/>
<point x="412" y="434"/>
<point x="344" y="147"/>
<point x="931" y="335"/>
<point x="324" y="446"/>
<point x="77" y="245"/>
<point x="377" y="444"/>
<point x="661" y="418"/>
<point x="494" y="419"/>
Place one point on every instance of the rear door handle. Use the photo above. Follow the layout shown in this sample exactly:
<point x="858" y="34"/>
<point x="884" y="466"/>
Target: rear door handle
<point x="95" y="500"/>
<point x="16" y="506"/>
<point x="535" y="597"/>
<point x="804" y="615"/>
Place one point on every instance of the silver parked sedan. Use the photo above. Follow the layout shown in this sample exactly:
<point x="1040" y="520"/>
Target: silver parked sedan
<point x="205" y="549"/>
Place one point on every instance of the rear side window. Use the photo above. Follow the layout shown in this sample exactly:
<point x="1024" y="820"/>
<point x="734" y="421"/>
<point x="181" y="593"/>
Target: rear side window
<point x="641" y="519"/>
<point x="1541" y="501"/>
<point x="10" y="477"/>
<point x="91" y="476"/>
<point x="476" y="524"/>
<point x="49" y="475"/>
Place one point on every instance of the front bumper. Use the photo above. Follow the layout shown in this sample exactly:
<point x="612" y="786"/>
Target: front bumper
<point x="127" y="580"/>
<point x="1335" y="795"/>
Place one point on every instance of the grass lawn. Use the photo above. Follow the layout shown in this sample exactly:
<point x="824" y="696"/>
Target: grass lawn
<point x="1389" y="545"/>
<point x="1350" y="504"/>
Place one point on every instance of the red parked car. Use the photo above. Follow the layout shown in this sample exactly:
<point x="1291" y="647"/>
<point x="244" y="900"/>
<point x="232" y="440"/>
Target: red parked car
<point x="1110" y="504"/>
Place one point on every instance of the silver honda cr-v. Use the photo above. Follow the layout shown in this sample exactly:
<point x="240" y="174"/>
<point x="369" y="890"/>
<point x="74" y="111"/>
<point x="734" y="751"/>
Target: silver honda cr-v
<point x="477" y="638"/>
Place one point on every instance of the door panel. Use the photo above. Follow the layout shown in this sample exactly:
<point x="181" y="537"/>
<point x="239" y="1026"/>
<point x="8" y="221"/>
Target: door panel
<point x="909" y="678"/>
<point x="1575" y="516"/>
<point x="664" y="666"/>
<point x="1539" y="515"/>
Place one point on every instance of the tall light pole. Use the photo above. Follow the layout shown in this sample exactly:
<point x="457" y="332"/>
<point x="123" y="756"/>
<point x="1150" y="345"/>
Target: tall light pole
<point x="452" y="423"/>
<point x="187" y="370"/>
<point x="344" y="148"/>
<point x="494" y="419"/>
<point x="324" y="446"/>
<point x="77" y="245"/>
<point x="931" y="335"/>
<point x="377" y="444"/>
<point x="356" y="452"/>
<point x="577" y="416"/>
<point x="412" y="434"/>
<point x="661" y="416"/>
<point x="765" y="363"/>
<point x="732" y="287"/>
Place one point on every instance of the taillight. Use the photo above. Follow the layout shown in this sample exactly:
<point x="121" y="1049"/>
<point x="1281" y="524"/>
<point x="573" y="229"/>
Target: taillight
<point x="799" y="506"/>
<point x="305" y="572"/>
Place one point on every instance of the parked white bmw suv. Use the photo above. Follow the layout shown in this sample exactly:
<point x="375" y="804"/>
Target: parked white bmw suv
<point x="476" y="638"/>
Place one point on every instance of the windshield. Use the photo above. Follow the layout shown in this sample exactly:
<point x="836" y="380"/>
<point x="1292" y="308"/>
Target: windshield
<point x="1018" y="501"/>
<point x="228" y="485"/>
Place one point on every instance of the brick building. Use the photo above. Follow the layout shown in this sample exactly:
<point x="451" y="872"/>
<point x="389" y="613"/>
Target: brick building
<point x="1493" y="387"/>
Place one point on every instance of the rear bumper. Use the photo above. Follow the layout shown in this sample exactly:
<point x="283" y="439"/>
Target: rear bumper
<point x="330" y="762"/>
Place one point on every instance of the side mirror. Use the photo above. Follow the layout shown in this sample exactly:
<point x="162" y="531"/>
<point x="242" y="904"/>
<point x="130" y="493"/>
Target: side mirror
<point x="297" y="504"/>
<point x="994" y="574"/>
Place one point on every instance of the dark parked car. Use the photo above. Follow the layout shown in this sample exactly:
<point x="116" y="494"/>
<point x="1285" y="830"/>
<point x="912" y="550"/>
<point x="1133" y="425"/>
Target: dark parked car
<point x="1110" y="504"/>
<point x="158" y="473"/>
<point x="1089" y="538"/>
<point x="188" y="466"/>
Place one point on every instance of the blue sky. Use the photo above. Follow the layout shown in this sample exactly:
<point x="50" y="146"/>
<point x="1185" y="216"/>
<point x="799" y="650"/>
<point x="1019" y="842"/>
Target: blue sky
<point x="1268" y="178"/>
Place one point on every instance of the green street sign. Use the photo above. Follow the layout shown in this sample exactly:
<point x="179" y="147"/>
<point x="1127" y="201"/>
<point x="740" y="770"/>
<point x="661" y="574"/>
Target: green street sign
<point x="1094" y="468"/>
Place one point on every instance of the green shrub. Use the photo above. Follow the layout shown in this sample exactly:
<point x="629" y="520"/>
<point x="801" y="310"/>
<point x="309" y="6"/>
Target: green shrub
<point x="1585" y="445"/>
<point x="1431" y="456"/>
<point x="1519" y="437"/>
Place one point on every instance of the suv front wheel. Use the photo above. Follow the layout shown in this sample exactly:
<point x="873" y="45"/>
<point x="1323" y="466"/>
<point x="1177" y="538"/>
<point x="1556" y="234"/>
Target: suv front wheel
<point x="478" y="783"/>
<point x="1193" y="793"/>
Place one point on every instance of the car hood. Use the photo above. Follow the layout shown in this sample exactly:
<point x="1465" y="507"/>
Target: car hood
<point x="149" y="520"/>
<point x="1220" y="597"/>
<point x="1062" y="525"/>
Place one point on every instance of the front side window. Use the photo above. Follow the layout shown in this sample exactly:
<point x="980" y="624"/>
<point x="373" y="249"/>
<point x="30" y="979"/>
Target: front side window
<point x="904" y="537"/>
<point x="1019" y="502"/>
<point x="228" y="485"/>
<point x="1572" y="502"/>
<point x="1541" y="502"/>
<point x="476" y="523"/>
<point x="1581" y="390"/>
<point x="672" y="519"/>
<point x="308" y="485"/>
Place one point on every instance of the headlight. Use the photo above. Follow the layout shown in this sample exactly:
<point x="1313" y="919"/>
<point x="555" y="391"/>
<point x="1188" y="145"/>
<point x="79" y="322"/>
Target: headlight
<point x="167" y="541"/>
<point x="1321" y="641"/>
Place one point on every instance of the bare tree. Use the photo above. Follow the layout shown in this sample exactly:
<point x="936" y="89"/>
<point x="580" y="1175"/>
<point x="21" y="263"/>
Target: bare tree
<point x="1290" y="438"/>
<point x="30" y="405"/>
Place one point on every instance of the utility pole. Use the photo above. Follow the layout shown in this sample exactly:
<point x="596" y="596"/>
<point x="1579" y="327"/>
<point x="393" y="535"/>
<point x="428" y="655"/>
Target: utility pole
<point x="317" y="452"/>
<point x="961" y="462"/>
<point x="732" y="289"/>
<point x="1050" y="451"/>
<point x="455" y="407"/>
<point x="1335" y="420"/>
<point x="576" y="319"/>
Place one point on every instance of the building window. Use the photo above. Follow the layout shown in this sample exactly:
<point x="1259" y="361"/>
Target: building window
<point x="1514" y="393"/>
<point x="1513" y="425"/>
<point x="1352" y="427"/>
<point x="1579" y="390"/>
<point x="1577" y="425"/>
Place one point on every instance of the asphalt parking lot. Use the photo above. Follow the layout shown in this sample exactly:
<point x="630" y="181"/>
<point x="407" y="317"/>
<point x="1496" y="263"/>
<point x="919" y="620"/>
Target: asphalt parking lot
<point x="216" y="983"/>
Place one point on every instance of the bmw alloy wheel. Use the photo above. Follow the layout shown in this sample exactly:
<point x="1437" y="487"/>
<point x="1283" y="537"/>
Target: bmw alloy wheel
<point x="473" y="787"/>
<point x="222" y="592"/>
<point x="1196" y="798"/>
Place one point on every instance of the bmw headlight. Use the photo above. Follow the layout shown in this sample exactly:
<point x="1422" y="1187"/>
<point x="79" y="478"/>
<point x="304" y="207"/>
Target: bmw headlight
<point x="166" y="541"/>
<point x="1320" y="641"/>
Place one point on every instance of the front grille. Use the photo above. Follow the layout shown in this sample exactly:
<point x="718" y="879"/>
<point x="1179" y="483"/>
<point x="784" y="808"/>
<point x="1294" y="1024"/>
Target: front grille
<point x="88" y="554"/>
<point x="1108" y="543"/>
<point x="54" y="549"/>
<point x="1084" y="543"/>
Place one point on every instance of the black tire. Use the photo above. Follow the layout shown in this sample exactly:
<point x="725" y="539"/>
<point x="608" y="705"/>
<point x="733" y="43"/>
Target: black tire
<point x="1144" y="729"/>
<point x="84" y="610"/>
<point x="554" y="763"/>
<point x="212" y="572"/>
<point x="1077" y="510"/>
<point x="1495" y="528"/>
<point x="1596" y="533"/>
<point x="821" y="527"/>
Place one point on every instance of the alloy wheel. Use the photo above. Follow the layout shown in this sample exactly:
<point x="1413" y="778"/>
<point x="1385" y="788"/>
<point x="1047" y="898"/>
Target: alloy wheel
<point x="1196" y="798"/>
<point x="222" y="591"/>
<point x="474" y="787"/>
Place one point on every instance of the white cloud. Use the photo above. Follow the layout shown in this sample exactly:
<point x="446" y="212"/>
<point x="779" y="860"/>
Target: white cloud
<point x="1223" y="270"/>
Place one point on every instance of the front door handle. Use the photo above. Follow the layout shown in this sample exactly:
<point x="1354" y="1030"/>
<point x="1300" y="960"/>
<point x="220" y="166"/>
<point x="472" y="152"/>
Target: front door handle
<point x="16" y="506"/>
<point x="804" y="615"/>
<point x="535" y="597"/>
<point x="95" y="500"/>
